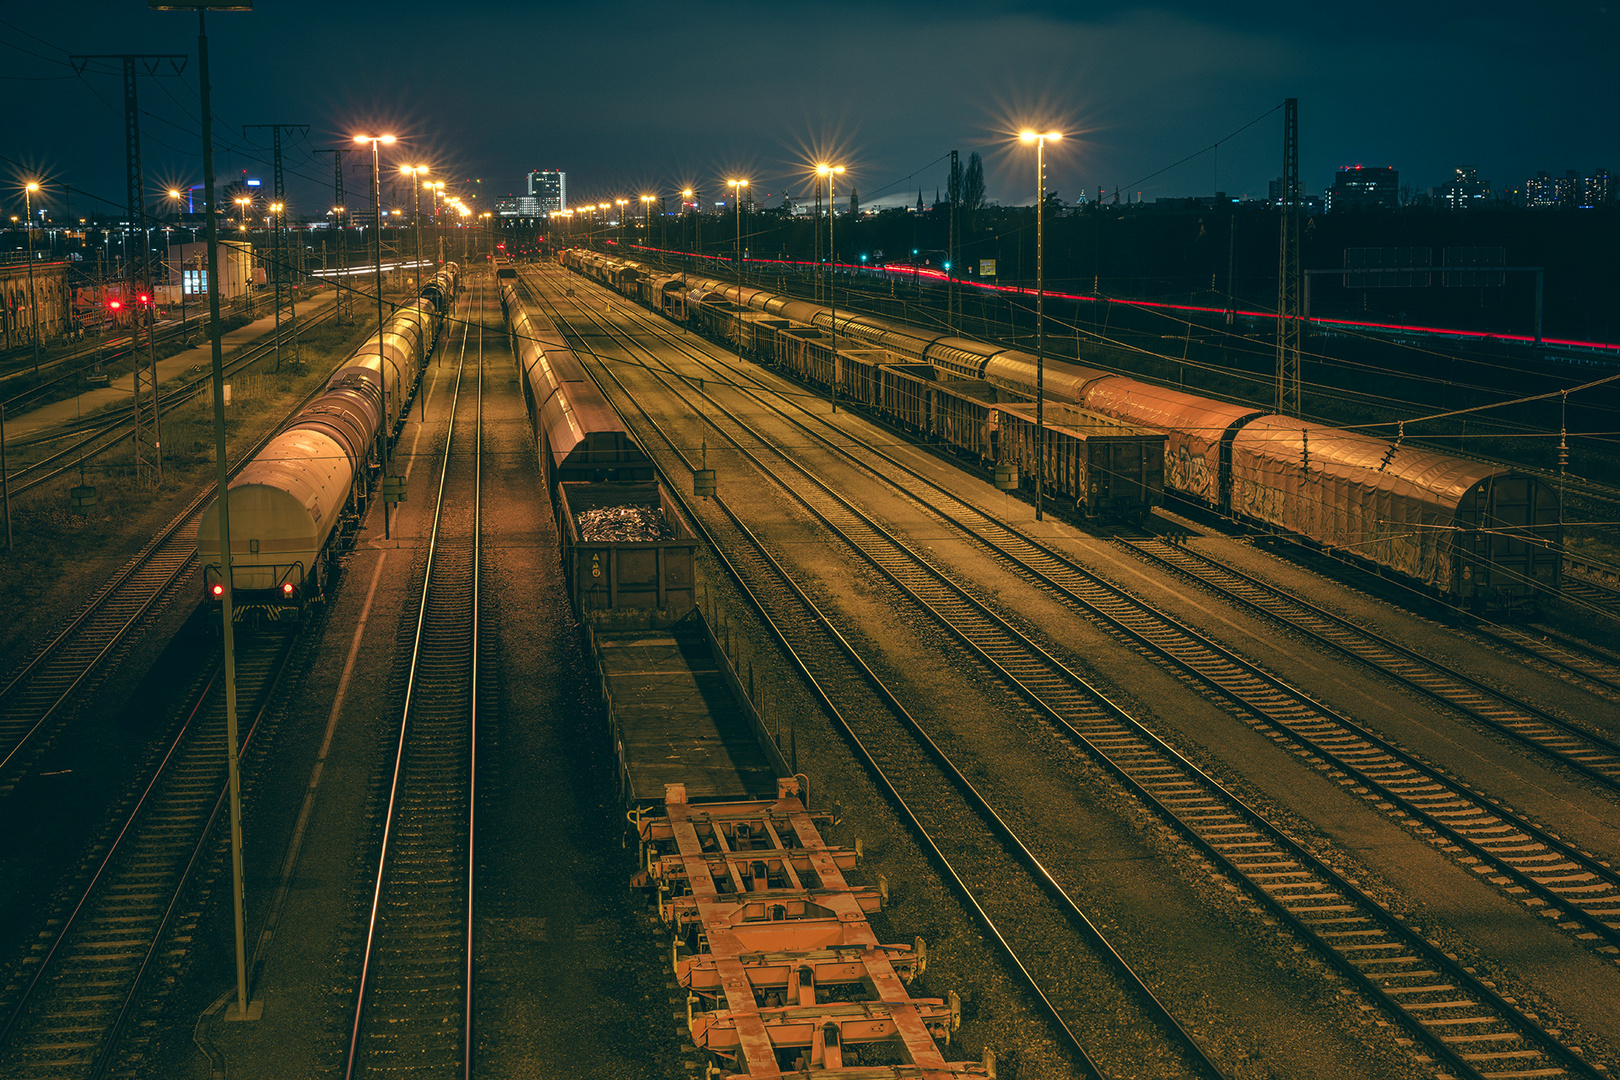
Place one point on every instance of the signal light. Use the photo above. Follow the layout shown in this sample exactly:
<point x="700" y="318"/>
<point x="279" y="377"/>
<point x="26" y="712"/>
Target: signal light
<point x="114" y="305"/>
<point x="218" y="589"/>
<point x="143" y="300"/>
<point x="286" y="588"/>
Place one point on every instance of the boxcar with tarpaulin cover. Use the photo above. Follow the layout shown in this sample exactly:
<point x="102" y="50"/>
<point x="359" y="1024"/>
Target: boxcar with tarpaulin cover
<point x="1484" y="535"/>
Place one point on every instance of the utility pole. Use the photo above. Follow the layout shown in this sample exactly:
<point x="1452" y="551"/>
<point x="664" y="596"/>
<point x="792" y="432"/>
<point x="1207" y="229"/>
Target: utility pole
<point x="950" y="268"/>
<point x="280" y="198"/>
<point x="1289" y="314"/>
<point x="340" y="210"/>
<point x="140" y="280"/>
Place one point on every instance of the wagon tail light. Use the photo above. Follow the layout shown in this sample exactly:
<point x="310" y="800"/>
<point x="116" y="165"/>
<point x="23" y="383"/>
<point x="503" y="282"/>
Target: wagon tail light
<point x="216" y="590"/>
<point x="287" y="589"/>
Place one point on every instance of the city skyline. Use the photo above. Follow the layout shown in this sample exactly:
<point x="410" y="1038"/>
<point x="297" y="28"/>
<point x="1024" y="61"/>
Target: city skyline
<point x="1143" y="93"/>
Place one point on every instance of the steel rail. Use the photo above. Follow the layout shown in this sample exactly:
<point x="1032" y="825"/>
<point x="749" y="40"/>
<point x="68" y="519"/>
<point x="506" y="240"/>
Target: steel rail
<point x="1310" y="723"/>
<point x="1550" y="1046"/>
<point x="1591" y="754"/>
<point x="115" y="426"/>
<point x="120" y="918"/>
<point x="86" y="621"/>
<point x="415" y="713"/>
<point x="819" y="623"/>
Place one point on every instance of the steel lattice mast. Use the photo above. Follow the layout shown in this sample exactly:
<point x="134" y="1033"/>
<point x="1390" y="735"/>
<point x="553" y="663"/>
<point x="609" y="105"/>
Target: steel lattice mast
<point x="1289" y="315"/>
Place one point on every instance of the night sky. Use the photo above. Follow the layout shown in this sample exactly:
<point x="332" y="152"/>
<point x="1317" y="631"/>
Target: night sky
<point x="634" y="98"/>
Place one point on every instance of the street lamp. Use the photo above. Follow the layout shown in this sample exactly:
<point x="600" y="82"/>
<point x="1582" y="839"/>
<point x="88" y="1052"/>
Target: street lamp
<point x="33" y="303"/>
<point x="1039" y="138"/>
<point x="736" y="187"/>
<point x="621" y="204"/>
<point x="830" y="171"/>
<point x="413" y="171"/>
<point x="646" y="218"/>
<point x="375" y="141"/>
<point x="174" y="196"/>
<point x="690" y="195"/>
<point x="438" y="189"/>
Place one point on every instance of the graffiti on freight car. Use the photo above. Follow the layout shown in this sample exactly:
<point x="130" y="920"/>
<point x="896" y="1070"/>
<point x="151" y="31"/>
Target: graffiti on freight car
<point x="1188" y="472"/>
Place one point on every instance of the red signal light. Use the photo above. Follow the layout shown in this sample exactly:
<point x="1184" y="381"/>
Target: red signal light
<point x="114" y="305"/>
<point x="218" y="590"/>
<point x="286" y="588"/>
<point x="144" y="299"/>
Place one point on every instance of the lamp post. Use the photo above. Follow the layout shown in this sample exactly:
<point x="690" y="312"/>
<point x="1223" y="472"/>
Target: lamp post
<point x="382" y="374"/>
<point x="220" y="471"/>
<point x="1039" y="138"/>
<point x="413" y="171"/>
<point x="175" y="196"/>
<point x="33" y="303"/>
<point x="736" y="187"/>
<point x="736" y="193"/>
<point x="690" y="195"/>
<point x="438" y="189"/>
<point x="646" y="218"/>
<point x="830" y="171"/>
<point x="623" y="205"/>
<point x="275" y="257"/>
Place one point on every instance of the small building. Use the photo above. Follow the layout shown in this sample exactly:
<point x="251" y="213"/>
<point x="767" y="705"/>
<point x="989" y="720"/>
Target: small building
<point x="188" y="270"/>
<point x="21" y="303"/>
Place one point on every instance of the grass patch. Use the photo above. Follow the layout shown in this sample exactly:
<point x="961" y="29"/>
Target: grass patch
<point x="60" y="558"/>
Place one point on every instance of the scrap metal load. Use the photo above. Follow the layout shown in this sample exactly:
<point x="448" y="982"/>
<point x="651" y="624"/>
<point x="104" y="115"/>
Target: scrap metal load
<point x="622" y="524"/>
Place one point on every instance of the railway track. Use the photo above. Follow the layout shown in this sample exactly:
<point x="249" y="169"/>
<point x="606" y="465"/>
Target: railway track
<point x="1462" y="1021"/>
<point x="68" y="1005"/>
<point x="1577" y="890"/>
<point x="1589" y="753"/>
<point x="70" y="665"/>
<point x="1599" y="669"/>
<point x="103" y="432"/>
<point x="1085" y="985"/>
<point x="413" y="1013"/>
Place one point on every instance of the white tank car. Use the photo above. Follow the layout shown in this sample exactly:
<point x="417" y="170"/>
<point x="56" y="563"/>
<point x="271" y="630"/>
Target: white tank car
<point x="284" y="505"/>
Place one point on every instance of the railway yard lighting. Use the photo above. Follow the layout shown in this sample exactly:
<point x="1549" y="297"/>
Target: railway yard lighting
<point x="830" y="171"/>
<point x="175" y="196"/>
<point x="646" y="217"/>
<point x="33" y="304"/>
<point x="736" y="187"/>
<point x="413" y="171"/>
<point x="623" y="213"/>
<point x="376" y="142"/>
<point x="1039" y="138"/>
<point x="690" y="195"/>
<point x="221" y="475"/>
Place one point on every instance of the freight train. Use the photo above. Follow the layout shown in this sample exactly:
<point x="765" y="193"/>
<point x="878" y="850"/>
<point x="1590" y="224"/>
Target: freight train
<point x="300" y="497"/>
<point x="1475" y="534"/>
<point x="1098" y="466"/>
<point x="771" y="943"/>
